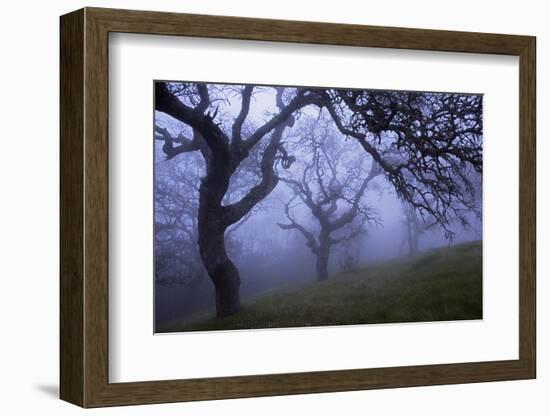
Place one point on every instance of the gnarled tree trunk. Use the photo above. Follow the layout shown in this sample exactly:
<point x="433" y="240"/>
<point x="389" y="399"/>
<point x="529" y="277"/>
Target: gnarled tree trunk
<point x="212" y="224"/>
<point x="219" y="266"/>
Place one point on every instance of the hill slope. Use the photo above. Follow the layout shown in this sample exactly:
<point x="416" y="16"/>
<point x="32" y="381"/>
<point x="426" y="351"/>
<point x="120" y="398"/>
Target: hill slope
<point x="441" y="284"/>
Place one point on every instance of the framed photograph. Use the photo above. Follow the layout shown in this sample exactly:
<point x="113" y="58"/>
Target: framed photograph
<point x="255" y="207"/>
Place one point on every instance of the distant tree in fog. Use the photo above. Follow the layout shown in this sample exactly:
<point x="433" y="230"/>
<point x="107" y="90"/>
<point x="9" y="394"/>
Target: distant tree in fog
<point x="331" y="185"/>
<point x="177" y="259"/>
<point x="349" y="256"/>
<point x="414" y="226"/>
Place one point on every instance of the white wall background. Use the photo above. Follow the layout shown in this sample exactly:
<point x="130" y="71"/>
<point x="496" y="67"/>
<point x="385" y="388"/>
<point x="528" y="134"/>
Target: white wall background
<point x="29" y="209"/>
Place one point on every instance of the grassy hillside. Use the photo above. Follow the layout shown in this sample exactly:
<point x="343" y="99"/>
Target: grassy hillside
<point x="441" y="284"/>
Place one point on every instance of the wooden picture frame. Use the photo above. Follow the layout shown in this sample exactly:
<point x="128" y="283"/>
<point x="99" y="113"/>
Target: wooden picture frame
<point x="84" y="207"/>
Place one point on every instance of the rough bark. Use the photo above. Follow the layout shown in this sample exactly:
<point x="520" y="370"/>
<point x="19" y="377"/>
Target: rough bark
<point x="219" y="266"/>
<point x="212" y="224"/>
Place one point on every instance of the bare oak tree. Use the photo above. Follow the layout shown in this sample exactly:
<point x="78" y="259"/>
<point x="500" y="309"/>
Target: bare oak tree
<point x="224" y="149"/>
<point x="332" y="185"/>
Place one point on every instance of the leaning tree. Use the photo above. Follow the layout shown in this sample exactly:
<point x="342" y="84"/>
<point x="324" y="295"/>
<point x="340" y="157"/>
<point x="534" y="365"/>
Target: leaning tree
<point x="333" y="180"/>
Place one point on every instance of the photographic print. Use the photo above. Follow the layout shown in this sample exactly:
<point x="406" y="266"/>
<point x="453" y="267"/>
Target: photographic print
<point x="297" y="206"/>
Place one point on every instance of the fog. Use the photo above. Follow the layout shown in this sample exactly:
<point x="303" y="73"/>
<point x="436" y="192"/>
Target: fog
<point x="269" y="245"/>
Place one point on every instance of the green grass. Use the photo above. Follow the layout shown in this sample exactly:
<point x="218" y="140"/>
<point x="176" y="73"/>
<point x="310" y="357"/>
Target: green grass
<point x="439" y="285"/>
